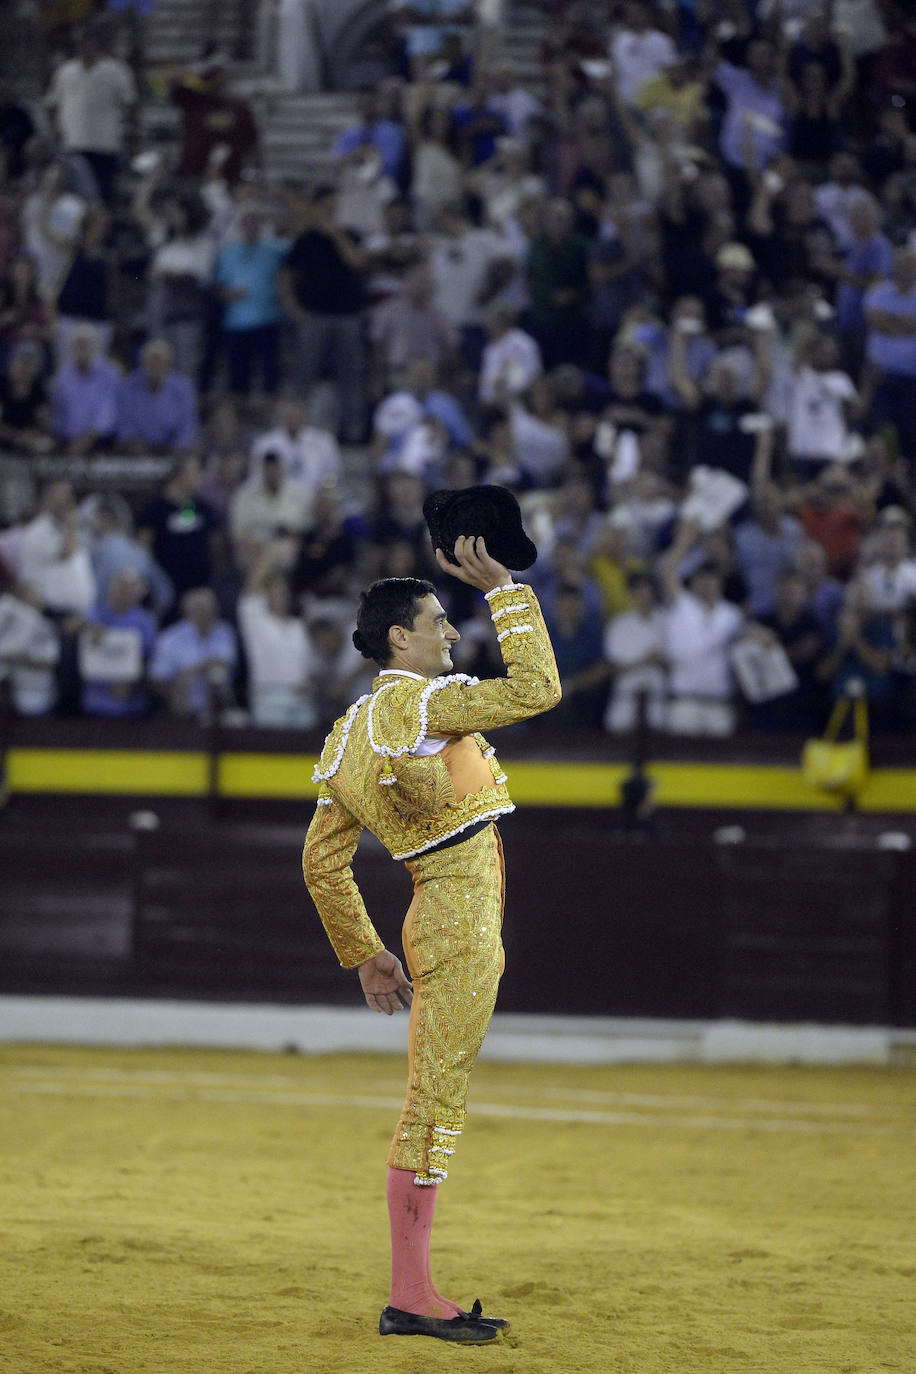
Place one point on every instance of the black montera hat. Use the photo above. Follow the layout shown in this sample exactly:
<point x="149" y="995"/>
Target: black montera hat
<point x="490" y="511"/>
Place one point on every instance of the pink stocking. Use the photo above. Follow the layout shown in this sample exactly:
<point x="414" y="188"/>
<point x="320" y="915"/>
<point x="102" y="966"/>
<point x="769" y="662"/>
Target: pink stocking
<point x="410" y="1212"/>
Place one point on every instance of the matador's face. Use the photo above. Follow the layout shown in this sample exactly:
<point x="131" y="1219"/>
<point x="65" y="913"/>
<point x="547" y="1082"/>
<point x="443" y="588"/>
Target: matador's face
<point x="427" y="648"/>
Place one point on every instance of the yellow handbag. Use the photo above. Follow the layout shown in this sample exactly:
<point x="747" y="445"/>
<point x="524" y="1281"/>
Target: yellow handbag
<point x="834" y="766"/>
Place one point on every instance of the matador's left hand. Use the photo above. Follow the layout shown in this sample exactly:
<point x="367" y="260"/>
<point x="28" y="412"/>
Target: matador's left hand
<point x="385" y="983"/>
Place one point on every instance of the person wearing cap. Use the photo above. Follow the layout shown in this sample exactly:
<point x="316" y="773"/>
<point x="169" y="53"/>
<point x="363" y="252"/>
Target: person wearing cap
<point x="211" y="116"/>
<point x="407" y="763"/>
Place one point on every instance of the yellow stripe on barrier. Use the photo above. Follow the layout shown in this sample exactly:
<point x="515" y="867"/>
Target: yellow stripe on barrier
<point x="532" y="783"/>
<point x="91" y="772"/>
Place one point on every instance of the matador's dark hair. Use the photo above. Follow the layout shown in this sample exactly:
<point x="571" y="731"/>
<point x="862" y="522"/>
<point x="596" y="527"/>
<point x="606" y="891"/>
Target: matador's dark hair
<point x="392" y="601"/>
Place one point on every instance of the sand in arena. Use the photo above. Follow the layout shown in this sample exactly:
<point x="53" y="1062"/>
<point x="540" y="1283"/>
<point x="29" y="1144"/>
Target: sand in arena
<point x="224" y="1212"/>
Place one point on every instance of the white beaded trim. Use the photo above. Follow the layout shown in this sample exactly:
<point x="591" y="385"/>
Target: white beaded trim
<point x="318" y="776"/>
<point x="444" y="1130"/>
<point x="325" y="801"/>
<point x="425" y="1182"/>
<point x="434" y="685"/>
<point x="507" y="587"/>
<point x="515" y="630"/>
<point x="387" y="782"/>
<point x="484" y="816"/>
<point x="507" y="610"/>
<point x="488" y="753"/>
<point x="501" y="778"/>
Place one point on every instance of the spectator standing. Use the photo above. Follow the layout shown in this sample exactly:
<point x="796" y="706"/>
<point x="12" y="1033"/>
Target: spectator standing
<point x="194" y="659"/>
<point x="558" y="279"/>
<point x="24" y="402"/>
<point x="409" y="326"/>
<point x="867" y="259"/>
<point x="700" y="628"/>
<point x="834" y="514"/>
<point x="120" y="609"/>
<point x="86" y="295"/>
<point x="381" y="127"/>
<point x="277" y="648"/>
<point x="860" y="657"/>
<point x="766" y="545"/>
<point x="511" y="358"/>
<point x="308" y="452"/>
<point x="54" y="561"/>
<point x="28" y="665"/>
<point x="115" y="551"/>
<point x="212" y="117"/>
<point x="792" y="625"/>
<point x="821" y="402"/>
<point x="92" y="95"/>
<point x="321" y="286"/>
<point x="639" y="51"/>
<point x="427" y="24"/>
<point x="51" y="219"/>
<point x="157" y="407"/>
<point x="890" y="574"/>
<point x="577" y="641"/>
<point x="246" y="283"/>
<point x="634" y="648"/>
<point x="268" y="506"/>
<point x="84" y="394"/>
<point x="463" y="258"/>
<point x="177" y="228"/>
<point x="755" y="116"/>
<point x="179" y="529"/>
<point x="438" y="173"/>
<point x="25" y="316"/>
<point x="890" y="349"/>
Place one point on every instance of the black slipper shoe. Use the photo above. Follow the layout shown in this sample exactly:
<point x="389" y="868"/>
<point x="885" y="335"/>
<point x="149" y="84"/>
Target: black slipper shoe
<point x="467" y="1327"/>
<point x="477" y="1311"/>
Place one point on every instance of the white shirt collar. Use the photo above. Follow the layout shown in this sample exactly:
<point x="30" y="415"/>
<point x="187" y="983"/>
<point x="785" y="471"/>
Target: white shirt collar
<point x="401" y="672"/>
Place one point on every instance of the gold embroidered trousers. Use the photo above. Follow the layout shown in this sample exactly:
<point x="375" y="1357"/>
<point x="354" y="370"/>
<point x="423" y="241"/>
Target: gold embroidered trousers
<point x="453" y="947"/>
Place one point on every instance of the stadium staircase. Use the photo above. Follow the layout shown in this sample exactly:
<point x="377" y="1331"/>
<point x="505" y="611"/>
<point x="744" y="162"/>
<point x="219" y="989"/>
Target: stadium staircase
<point x="298" y="130"/>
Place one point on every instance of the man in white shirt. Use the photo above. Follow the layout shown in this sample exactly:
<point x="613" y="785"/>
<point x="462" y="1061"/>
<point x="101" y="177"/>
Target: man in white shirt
<point x="639" y="51"/>
<point x="891" y="577"/>
<point x="307" y="453"/>
<point x="268" y="505"/>
<point x="700" y="627"/>
<point x="54" y="560"/>
<point x="819" y="405"/>
<point x="634" y="646"/>
<point x="29" y="652"/>
<point x="91" y="96"/>
<point x="511" y="359"/>
<point x="277" y="650"/>
<point x="461" y="259"/>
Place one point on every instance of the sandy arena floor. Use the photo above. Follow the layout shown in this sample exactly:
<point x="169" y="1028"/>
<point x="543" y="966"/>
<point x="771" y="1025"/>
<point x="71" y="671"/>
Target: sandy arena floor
<point x="223" y="1213"/>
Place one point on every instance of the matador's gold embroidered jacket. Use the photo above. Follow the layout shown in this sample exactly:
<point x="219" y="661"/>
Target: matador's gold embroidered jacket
<point x="370" y="777"/>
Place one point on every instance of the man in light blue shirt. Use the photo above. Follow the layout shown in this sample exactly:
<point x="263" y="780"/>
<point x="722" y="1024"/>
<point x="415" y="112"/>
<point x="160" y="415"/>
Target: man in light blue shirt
<point x="890" y="349"/>
<point x="246" y="280"/>
<point x="754" y="108"/>
<point x="194" y="659"/>
<point x="157" y="407"/>
<point x="115" y="550"/>
<point x="84" y="395"/>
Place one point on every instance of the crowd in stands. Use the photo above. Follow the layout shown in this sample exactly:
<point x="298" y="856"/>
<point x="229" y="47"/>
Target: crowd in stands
<point x="666" y="293"/>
